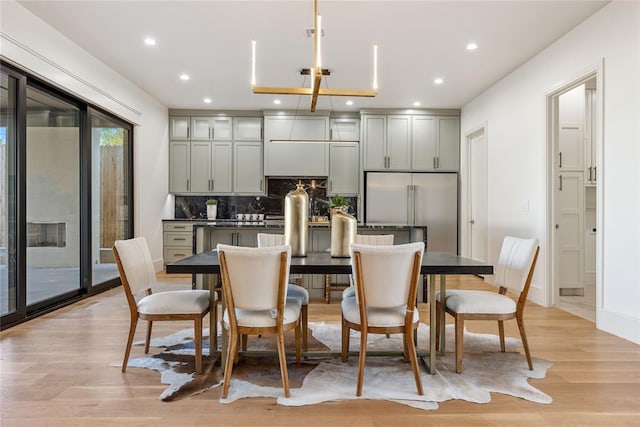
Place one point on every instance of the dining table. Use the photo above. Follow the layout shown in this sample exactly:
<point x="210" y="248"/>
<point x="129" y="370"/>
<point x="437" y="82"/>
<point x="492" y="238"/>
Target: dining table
<point x="434" y="264"/>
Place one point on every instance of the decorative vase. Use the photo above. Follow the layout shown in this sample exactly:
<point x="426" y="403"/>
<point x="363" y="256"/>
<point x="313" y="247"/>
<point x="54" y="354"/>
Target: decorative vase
<point x="212" y="211"/>
<point x="343" y="232"/>
<point x="296" y="220"/>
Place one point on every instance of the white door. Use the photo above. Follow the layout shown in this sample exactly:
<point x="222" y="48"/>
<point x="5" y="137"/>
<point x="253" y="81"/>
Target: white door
<point x="478" y="229"/>
<point x="570" y="231"/>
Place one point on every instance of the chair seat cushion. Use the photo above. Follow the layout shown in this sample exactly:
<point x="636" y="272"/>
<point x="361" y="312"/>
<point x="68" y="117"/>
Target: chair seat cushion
<point x="478" y="302"/>
<point x="380" y="317"/>
<point x="298" y="292"/>
<point x="349" y="292"/>
<point x="266" y="318"/>
<point x="175" y="302"/>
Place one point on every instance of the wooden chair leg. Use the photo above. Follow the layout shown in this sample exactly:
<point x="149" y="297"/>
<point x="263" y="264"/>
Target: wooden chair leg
<point x="282" y="356"/>
<point x="197" y="327"/>
<point x="405" y="349"/>
<point x="213" y="331"/>
<point x="501" y="333"/>
<point x="236" y="354"/>
<point x="147" y="339"/>
<point x="327" y="288"/>
<point x="297" y="337"/>
<point x="414" y="359"/>
<point x="361" y="359"/>
<point x="459" y="342"/>
<point x="525" y="344"/>
<point x="127" y="350"/>
<point x="344" y="350"/>
<point x="305" y="327"/>
<point x="231" y="350"/>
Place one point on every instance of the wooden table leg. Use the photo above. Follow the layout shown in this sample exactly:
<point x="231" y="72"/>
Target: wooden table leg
<point x="432" y="324"/>
<point x="443" y="296"/>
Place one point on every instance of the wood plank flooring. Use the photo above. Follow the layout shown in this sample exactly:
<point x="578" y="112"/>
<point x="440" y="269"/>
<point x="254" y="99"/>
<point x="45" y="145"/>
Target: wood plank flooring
<point x="54" y="371"/>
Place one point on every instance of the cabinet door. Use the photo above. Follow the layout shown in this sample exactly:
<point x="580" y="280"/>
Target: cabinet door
<point x="178" y="128"/>
<point x="200" y="167"/>
<point x="247" y="237"/>
<point x="424" y="144"/>
<point x="344" y="169"/>
<point x="179" y="166"/>
<point x="200" y="128"/>
<point x="344" y="130"/>
<point x="571" y="156"/>
<point x="221" y="167"/>
<point x="221" y="128"/>
<point x="448" y="158"/>
<point x="247" y="168"/>
<point x="374" y="141"/>
<point x="399" y="142"/>
<point x="226" y="236"/>
<point x="247" y="129"/>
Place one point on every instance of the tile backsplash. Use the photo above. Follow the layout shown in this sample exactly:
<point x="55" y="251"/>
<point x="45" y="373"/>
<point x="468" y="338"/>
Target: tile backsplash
<point x="193" y="207"/>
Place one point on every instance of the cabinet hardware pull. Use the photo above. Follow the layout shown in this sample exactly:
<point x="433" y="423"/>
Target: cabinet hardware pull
<point x="438" y="162"/>
<point x="209" y="133"/>
<point x="179" y="254"/>
<point x="560" y="165"/>
<point x="434" y="162"/>
<point x="179" y="238"/>
<point x="188" y="129"/>
<point x="330" y="185"/>
<point x="589" y="173"/>
<point x="560" y="183"/>
<point x="188" y="185"/>
<point x="261" y="189"/>
<point x="472" y="222"/>
<point x="595" y="175"/>
<point x="213" y="133"/>
<point x="180" y="226"/>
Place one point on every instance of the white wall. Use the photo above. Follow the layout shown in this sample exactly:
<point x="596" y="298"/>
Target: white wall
<point x="38" y="48"/>
<point x="514" y="110"/>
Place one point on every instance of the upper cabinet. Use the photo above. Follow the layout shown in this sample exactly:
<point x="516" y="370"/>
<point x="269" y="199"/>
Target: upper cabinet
<point x="344" y="170"/>
<point x="292" y="145"/>
<point x="221" y="155"/>
<point x="344" y="129"/>
<point x="410" y="142"/>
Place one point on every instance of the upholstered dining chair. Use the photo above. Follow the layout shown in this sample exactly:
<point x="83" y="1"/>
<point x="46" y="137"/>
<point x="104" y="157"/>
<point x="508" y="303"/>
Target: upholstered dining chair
<point x="386" y="280"/>
<point x="514" y="270"/>
<point x="367" y="239"/>
<point x="293" y="290"/>
<point x="138" y="280"/>
<point x="254" y="282"/>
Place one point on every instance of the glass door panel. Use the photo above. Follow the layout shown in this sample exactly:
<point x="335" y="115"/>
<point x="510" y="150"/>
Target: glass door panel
<point x="110" y="176"/>
<point x="8" y="124"/>
<point x="52" y="196"/>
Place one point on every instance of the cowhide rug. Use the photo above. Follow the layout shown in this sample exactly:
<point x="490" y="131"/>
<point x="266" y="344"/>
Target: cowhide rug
<point x="318" y="380"/>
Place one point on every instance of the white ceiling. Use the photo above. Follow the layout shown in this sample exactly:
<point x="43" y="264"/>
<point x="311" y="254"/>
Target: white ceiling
<point x="211" y="41"/>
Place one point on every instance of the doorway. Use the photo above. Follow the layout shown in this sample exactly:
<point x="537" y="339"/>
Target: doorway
<point x="575" y="130"/>
<point x="477" y="228"/>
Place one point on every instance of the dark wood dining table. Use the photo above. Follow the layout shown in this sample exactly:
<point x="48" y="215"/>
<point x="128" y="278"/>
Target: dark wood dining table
<point x="433" y="264"/>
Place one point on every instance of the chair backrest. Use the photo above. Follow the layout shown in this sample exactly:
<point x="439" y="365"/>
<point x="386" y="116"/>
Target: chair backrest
<point x="266" y="240"/>
<point x="375" y="239"/>
<point x="516" y="262"/>
<point x="253" y="277"/>
<point x="386" y="275"/>
<point x="135" y="265"/>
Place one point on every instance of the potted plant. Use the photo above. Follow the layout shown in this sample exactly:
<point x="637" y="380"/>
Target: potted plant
<point x="339" y="203"/>
<point x="212" y="208"/>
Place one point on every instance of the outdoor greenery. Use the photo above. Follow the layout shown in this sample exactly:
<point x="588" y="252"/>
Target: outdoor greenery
<point x="111" y="137"/>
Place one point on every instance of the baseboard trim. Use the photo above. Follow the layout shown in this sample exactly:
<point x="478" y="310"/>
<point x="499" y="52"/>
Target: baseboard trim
<point x="620" y="325"/>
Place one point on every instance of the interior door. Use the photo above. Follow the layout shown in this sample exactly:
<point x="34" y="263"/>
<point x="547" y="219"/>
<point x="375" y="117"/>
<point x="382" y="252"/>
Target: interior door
<point x="478" y="230"/>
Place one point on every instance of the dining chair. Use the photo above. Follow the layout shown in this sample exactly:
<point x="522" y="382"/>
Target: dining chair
<point x="293" y="290"/>
<point x="254" y="282"/>
<point x="514" y="270"/>
<point x="138" y="280"/>
<point x="386" y="281"/>
<point x="366" y="239"/>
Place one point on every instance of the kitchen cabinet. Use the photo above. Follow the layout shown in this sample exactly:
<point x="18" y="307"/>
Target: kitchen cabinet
<point x="590" y="164"/>
<point x="179" y="128"/>
<point x="247" y="167"/>
<point x="177" y="240"/>
<point x="296" y="146"/>
<point x="387" y="142"/>
<point x="435" y="144"/>
<point x="344" y="169"/>
<point x="211" y="128"/>
<point x="344" y="129"/>
<point x="247" y="129"/>
<point x="179" y="166"/>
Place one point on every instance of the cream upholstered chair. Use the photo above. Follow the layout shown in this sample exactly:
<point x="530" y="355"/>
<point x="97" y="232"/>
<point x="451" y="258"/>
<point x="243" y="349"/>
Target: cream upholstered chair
<point x="514" y="270"/>
<point x="254" y="282"/>
<point x="293" y="290"/>
<point x="368" y="239"/>
<point x="138" y="279"/>
<point x="386" y="280"/>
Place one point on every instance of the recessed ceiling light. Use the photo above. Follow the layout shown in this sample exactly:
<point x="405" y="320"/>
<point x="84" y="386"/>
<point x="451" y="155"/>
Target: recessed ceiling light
<point x="472" y="46"/>
<point x="276" y="101"/>
<point x="150" y="41"/>
<point x="207" y="100"/>
<point x="416" y="104"/>
<point x="438" y="81"/>
<point x="349" y="102"/>
<point x="184" y="77"/>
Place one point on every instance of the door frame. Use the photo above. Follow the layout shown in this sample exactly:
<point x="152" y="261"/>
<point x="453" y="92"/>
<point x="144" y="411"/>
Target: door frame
<point x="552" y="292"/>
<point x="467" y="211"/>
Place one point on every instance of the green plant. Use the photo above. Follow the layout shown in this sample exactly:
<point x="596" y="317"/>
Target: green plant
<point x="338" y="201"/>
<point x="211" y="202"/>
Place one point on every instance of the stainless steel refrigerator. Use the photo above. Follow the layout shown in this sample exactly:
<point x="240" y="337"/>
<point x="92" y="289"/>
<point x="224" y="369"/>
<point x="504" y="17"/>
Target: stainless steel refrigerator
<point x="421" y="199"/>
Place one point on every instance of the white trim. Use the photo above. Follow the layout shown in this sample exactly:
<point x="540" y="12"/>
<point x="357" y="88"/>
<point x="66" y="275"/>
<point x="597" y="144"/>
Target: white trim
<point x="481" y="128"/>
<point x="623" y="326"/>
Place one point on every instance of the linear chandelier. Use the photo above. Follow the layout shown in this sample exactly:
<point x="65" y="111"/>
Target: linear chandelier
<point x="316" y="72"/>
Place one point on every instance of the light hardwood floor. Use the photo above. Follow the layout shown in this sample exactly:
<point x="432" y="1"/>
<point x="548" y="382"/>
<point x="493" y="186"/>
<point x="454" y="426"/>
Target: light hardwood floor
<point x="55" y="372"/>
